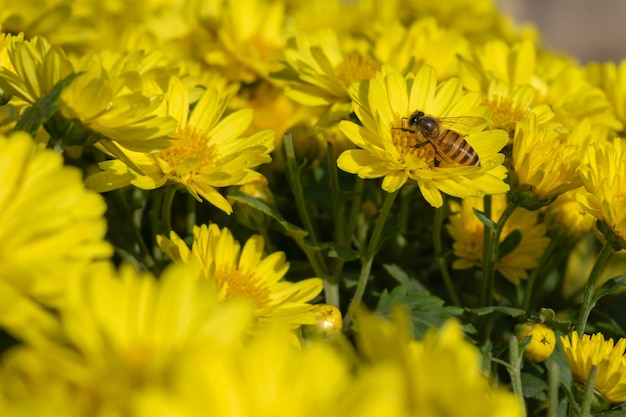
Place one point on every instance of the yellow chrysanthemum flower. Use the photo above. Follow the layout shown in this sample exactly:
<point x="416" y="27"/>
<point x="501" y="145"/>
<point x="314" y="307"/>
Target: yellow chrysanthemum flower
<point x="270" y="376"/>
<point x="604" y="178"/>
<point x="385" y="103"/>
<point x="240" y="38"/>
<point x="125" y="334"/>
<point x="207" y="152"/>
<point x="61" y="22"/>
<point x="584" y="352"/>
<point x="611" y="78"/>
<point x="318" y="71"/>
<point x="408" y="48"/>
<point x="511" y="106"/>
<point x="51" y="228"/>
<point x="115" y="99"/>
<point x="572" y="96"/>
<point x="244" y="273"/>
<point x="566" y="217"/>
<point x="440" y="367"/>
<point x="559" y="83"/>
<point x="544" y="163"/>
<point x="468" y="231"/>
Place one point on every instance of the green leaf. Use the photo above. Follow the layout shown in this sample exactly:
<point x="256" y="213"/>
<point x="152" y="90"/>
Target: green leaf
<point x="484" y="219"/>
<point x="610" y="287"/>
<point x="291" y="229"/>
<point x="507" y="311"/>
<point x="534" y="387"/>
<point x="427" y="311"/>
<point x="342" y="252"/>
<point x="404" y="278"/>
<point x="510" y="243"/>
<point x="44" y="107"/>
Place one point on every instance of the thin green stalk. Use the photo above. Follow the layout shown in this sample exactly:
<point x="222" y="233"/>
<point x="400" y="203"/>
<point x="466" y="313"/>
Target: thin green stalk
<point x="331" y="286"/>
<point x="440" y="215"/>
<point x="293" y="176"/>
<point x="355" y="209"/>
<point x="530" y="283"/>
<point x="166" y="207"/>
<point x="145" y="256"/>
<point x="515" y="370"/>
<point x="191" y="213"/>
<point x="588" y="393"/>
<point x="588" y="303"/>
<point x="368" y="258"/>
<point x="554" y="379"/>
<point x="490" y="254"/>
<point x="487" y="237"/>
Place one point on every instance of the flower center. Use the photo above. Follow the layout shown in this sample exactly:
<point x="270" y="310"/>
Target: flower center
<point x="409" y="143"/>
<point x="243" y="284"/>
<point x="355" y="68"/>
<point x="190" y="152"/>
<point x="505" y="115"/>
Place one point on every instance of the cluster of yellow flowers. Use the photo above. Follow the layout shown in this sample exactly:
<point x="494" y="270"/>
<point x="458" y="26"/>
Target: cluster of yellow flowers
<point x="131" y="131"/>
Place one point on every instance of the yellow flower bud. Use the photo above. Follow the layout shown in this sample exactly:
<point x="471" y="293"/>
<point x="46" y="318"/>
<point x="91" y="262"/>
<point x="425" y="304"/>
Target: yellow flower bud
<point x="542" y="341"/>
<point x="329" y="322"/>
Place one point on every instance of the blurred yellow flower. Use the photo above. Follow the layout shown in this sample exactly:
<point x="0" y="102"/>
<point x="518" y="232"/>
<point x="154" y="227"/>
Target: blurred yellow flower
<point x="125" y="334"/>
<point x="566" y="217"/>
<point x="611" y="78"/>
<point x="604" y="178"/>
<point x="61" y="22"/>
<point x="408" y="48"/>
<point x="468" y="231"/>
<point x="440" y="367"/>
<point x="114" y="100"/>
<point x="52" y="228"/>
<point x="269" y="376"/>
<point x="241" y="38"/>
<point x="384" y="104"/>
<point x="245" y="273"/>
<point x="584" y="352"/>
<point x="207" y="151"/>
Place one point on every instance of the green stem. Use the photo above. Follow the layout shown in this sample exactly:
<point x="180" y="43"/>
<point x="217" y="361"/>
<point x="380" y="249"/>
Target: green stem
<point x="490" y="254"/>
<point x="166" y="208"/>
<point x="588" y="393"/>
<point x="293" y="177"/>
<point x="530" y="283"/>
<point x="331" y="286"/>
<point x="355" y="209"/>
<point x="440" y="215"/>
<point x="553" y="388"/>
<point x="588" y="302"/>
<point x="368" y="258"/>
<point x="191" y="213"/>
<point x="515" y="370"/>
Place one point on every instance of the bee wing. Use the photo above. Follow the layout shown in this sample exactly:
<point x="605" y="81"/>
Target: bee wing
<point x="463" y="124"/>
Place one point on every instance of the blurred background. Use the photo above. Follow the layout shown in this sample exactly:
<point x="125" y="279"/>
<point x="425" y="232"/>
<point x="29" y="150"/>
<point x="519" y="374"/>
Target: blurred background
<point x="590" y="30"/>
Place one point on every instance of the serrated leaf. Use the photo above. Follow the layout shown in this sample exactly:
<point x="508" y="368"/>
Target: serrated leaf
<point x="484" y="219"/>
<point x="507" y="311"/>
<point x="342" y="252"/>
<point x="510" y="243"/>
<point x="610" y="287"/>
<point x="427" y="311"/>
<point x="44" y="107"/>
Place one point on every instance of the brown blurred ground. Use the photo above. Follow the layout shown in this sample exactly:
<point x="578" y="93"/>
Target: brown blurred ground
<point x="591" y="30"/>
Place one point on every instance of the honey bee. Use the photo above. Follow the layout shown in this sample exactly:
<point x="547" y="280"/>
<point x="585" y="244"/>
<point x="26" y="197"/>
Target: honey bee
<point x="442" y="134"/>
